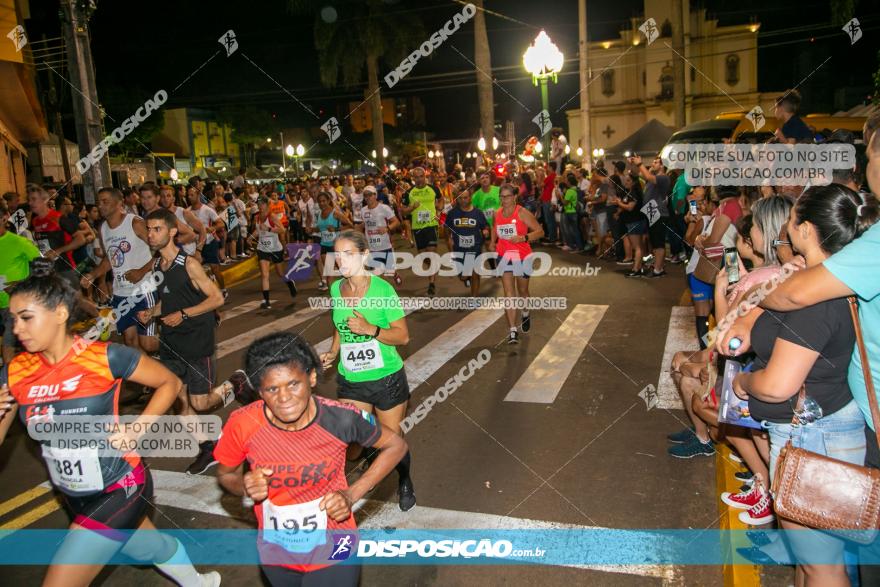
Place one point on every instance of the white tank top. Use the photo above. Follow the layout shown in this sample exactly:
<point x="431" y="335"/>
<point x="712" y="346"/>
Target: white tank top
<point x="357" y="205"/>
<point x="126" y="251"/>
<point x="188" y="248"/>
<point x="268" y="241"/>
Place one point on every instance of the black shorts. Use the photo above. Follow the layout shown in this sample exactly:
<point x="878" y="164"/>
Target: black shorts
<point x="198" y="375"/>
<point x="326" y="250"/>
<point x="274" y="257"/>
<point x="121" y="506"/>
<point x="383" y="394"/>
<point x="468" y="260"/>
<point x="211" y="253"/>
<point x="234" y="234"/>
<point x="425" y="237"/>
<point x="657" y="233"/>
<point x="333" y="576"/>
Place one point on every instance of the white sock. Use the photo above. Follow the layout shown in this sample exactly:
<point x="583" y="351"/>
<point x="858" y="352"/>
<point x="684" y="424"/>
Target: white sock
<point x="513" y="328"/>
<point x="525" y="314"/>
<point x="180" y="569"/>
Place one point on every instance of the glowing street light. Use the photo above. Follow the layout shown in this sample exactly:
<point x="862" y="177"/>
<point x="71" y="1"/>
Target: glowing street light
<point x="300" y="150"/>
<point x="384" y="152"/>
<point x="543" y="60"/>
<point x="494" y="144"/>
<point x="289" y="150"/>
<point x="580" y="152"/>
<point x="268" y="139"/>
<point x="539" y="147"/>
<point x="481" y="144"/>
<point x="431" y="154"/>
<point x="567" y="149"/>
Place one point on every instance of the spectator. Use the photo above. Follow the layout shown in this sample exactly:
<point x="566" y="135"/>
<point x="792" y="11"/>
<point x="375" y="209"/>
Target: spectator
<point x="791" y="128"/>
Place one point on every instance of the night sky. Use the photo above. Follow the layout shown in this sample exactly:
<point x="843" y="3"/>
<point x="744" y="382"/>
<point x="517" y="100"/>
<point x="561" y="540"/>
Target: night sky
<point x="157" y="44"/>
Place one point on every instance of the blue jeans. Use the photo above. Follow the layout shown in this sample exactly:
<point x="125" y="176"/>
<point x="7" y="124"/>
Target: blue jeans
<point x="841" y="436"/>
<point x="549" y="220"/>
<point x="571" y="231"/>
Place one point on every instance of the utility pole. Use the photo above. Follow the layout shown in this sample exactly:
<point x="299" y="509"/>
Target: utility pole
<point x="87" y="113"/>
<point x="584" y="76"/>
<point x="678" y="85"/>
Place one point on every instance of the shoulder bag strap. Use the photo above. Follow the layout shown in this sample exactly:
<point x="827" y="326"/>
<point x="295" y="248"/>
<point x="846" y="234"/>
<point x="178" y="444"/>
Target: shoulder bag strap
<point x="866" y="368"/>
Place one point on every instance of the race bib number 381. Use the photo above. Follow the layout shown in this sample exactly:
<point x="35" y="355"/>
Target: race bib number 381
<point x="74" y="470"/>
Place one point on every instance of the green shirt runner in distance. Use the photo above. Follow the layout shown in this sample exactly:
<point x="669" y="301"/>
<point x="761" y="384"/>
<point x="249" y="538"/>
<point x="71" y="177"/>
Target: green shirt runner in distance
<point x="488" y="202"/>
<point x="16" y="253"/>
<point x="426" y="214"/>
<point x="363" y="358"/>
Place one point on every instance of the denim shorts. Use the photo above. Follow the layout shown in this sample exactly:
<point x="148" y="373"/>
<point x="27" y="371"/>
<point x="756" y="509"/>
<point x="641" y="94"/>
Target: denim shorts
<point x="841" y="436"/>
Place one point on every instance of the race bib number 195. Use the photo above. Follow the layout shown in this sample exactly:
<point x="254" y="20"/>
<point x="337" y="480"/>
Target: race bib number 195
<point x="296" y="528"/>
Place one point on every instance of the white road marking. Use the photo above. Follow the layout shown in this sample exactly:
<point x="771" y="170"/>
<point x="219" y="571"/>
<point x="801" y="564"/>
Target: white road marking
<point x="545" y="377"/>
<point x="681" y="336"/>
<point x="242" y="309"/>
<point x="201" y="493"/>
<point x="235" y="343"/>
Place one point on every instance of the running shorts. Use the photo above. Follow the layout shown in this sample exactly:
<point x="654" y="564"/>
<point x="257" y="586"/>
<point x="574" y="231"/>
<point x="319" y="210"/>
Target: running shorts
<point x="333" y="576"/>
<point x="211" y="253"/>
<point x="425" y="237"/>
<point x="121" y="506"/>
<point x="382" y="260"/>
<point x="468" y="260"/>
<point x="126" y="314"/>
<point x="273" y="257"/>
<point x="519" y="267"/>
<point x="383" y="394"/>
<point x="199" y="375"/>
<point x="700" y="290"/>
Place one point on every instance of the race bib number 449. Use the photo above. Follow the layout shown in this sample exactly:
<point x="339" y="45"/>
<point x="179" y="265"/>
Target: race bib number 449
<point x="362" y="356"/>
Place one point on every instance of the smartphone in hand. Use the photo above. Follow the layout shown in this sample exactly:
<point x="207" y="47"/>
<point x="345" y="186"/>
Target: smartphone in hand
<point x="731" y="263"/>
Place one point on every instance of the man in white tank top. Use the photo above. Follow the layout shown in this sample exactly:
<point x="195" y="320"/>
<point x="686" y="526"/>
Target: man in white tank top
<point x="127" y="254"/>
<point x="186" y="236"/>
<point x="185" y="217"/>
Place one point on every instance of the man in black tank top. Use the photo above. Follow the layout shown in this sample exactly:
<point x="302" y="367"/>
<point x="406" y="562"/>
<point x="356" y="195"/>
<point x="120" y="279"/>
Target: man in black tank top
<point x="186" y="300"/>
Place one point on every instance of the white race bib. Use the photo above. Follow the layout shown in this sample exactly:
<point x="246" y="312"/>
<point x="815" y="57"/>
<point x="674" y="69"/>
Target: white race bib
<point x="300" y="527"/>
<point x="362" y="356"/>
<point x="489" y="213"/>
<point x="506" y="231"/>
<point x="423" y="215"/>
<point x="328" y="236"/>
<point x="76" y="470"/>
<point x="466" y="241"/>
<point x="269" y="242"/>
<point x="375" y="239"/>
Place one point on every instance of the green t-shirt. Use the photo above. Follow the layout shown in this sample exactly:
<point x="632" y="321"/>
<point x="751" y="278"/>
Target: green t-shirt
<point x="488" y="202"/>
<point x="571" y="198"/>
<point x="362" y="357"/>
<point x="16" y="253"/>
<point x="679" y="194"/>
<point x="426" y="214"/>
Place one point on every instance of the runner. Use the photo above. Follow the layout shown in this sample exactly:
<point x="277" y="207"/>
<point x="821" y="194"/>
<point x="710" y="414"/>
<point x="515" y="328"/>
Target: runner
<point x="185" y="217"/>
<point x="295" y="443"/>
<point x="380" y="221"/>
<point x="105" y="494"/>
<point x="328" y="223"/>
<point x="279" y="210"/>
<point x="487" y="200"/>
<point x="210" y="251"/>
<point x="150" y="196"/>
<point x="355" y="197"/>
<point x="515" y="228"/>
<point x="56" y="237"/>
<point x="270" y="252"/>
<point x="467" y="231"/>
<point x="369" y="324"/>
<point x="124" y="239"/>
<point x="187" y="299"/>
<point x="16" y="253"/>
<point x="422" y="200"/>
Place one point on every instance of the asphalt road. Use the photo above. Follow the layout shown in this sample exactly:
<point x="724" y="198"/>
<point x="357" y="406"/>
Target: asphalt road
<point x="592" y="455"/>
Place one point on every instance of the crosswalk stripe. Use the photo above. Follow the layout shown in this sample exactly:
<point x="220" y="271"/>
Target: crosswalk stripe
<point x="242" y="309"/>
<point x="427" y="360"/>
<point x="235" y="343"/>
<point x="31" y="516"/>
<point x="24" y="497"/>
<point x="545" y="377"/>
<point x="200" y="493"/>
<point x="679" y="337"/>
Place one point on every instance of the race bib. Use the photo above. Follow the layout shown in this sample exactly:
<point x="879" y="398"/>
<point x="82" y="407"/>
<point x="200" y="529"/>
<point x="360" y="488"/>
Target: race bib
<point x="297" y="528"/>
<point x="43" y="245"/>
<point x="466" y="242"/>
<point x="375" y="239"/>
<point x="328" y="236"/>
<point x="490" y="214"/>
<point x="75" y="470"/>
<point x="269" y="242"/>
<point x="423" y="215"/>
<point x="506" y="231"/>
<point x="362" y="356"/>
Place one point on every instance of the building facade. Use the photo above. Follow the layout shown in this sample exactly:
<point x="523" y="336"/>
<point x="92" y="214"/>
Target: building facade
<point x="196" y="139"/>
<point x="631" y="82"/>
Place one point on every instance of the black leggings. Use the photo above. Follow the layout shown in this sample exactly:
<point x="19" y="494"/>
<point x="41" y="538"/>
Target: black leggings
<point x="333" y="576"/>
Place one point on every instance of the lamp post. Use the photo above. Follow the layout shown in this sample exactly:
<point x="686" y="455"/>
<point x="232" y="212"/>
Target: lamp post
<point x="300" y="151"/>
<point x="543" y="60"/>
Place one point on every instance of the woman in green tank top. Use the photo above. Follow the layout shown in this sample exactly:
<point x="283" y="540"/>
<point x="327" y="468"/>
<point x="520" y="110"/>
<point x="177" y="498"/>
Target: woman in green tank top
<point x="368" y="324"/>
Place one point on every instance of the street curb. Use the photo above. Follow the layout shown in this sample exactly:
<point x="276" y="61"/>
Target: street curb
<point x="241" y="272"/>
<point x="735" y="574"/>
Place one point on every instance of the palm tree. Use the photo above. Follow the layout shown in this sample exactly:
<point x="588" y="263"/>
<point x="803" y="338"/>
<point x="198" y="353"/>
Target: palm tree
<point x="362" y="32"/>
<point x="483" y="59"/>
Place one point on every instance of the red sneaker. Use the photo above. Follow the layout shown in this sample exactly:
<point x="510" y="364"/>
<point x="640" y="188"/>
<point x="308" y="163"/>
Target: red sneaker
<point x="744" y="500"/>
<point x="761" y="513"/>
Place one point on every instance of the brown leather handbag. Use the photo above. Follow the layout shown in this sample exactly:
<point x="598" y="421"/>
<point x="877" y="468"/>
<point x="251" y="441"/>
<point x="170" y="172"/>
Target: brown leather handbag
<point x="825" y="493"/>
<point x="710" y="262"/>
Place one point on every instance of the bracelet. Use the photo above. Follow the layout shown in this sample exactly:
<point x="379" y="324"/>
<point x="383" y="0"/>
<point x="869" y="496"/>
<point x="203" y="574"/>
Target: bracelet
<point x="378" y="332"/>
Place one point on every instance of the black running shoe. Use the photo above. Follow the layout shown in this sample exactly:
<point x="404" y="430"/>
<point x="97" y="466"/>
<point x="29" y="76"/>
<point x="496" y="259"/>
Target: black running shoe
<point x="204" y="461"/>
<point x="265" y="306"/>
<point x="291" y="286"/>
<point x="526" y="323"/>
<point x="513" y="337"/>
<point x="406" y="495"/>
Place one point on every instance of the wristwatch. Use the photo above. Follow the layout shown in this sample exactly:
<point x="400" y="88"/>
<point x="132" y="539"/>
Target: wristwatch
<point x="184" y="315"/>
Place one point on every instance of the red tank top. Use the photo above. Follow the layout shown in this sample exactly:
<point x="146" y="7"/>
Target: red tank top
<point x="506" y="227"/>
